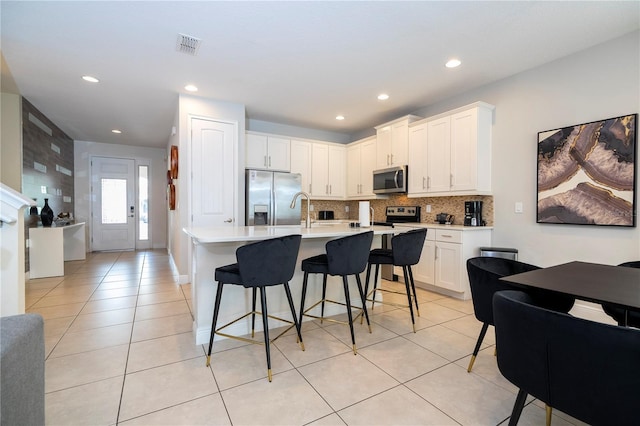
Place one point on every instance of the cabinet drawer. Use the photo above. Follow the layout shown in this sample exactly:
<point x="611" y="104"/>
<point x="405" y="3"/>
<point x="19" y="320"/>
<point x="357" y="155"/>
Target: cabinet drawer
<point x="449" y="236"/>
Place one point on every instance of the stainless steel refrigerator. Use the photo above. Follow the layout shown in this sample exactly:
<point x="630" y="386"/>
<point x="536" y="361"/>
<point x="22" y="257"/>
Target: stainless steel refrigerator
<point x="269" y="196"/>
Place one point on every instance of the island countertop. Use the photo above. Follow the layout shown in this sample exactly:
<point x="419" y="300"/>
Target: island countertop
<point x="227" y="234"/>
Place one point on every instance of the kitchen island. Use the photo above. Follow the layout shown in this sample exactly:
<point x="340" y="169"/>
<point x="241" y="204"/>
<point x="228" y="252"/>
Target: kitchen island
<point x="216" y="246"/>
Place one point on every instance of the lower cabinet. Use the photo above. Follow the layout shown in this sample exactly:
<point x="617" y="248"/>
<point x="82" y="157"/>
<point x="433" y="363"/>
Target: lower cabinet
<point x="442" y="267"/>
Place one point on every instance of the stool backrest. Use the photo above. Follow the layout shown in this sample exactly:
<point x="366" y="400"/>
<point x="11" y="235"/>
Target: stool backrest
<point x="268" y="262"/>
<point x="586" y="369"/>
<point x="407" y="247"/>
<point x="349" y="255"/>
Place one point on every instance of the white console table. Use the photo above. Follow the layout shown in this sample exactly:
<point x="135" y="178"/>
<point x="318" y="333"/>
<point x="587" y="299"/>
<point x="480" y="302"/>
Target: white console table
<point x="49" y="248"/>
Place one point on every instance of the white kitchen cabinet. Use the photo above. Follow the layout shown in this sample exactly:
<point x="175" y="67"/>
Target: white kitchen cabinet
<point x="443" y="263"/>
<point x="301" y="162"/>
<point x="392" y="142"/>
<point x="361" y="161"/>
<point x="450" y="154"/>
<point x="267" y="152"/>
<point x="417" y="159"/>
<point x="328" y="171"/>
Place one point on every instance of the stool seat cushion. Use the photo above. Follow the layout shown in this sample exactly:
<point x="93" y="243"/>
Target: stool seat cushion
<point x="229" y="274"/>
<point x="381" y="256"/>
<point x="316" y="265"/>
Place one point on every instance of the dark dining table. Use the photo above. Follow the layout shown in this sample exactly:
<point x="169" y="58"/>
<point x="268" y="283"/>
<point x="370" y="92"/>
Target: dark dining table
<point x="592" y="282"/>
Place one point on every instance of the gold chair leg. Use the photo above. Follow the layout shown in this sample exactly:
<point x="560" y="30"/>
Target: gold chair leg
<point x="548" y="410"/>
<point x="208" y="360"/>
<point x="269" y="376"/>
<point x="355" y="351"/>
<point x="473" y="359"/>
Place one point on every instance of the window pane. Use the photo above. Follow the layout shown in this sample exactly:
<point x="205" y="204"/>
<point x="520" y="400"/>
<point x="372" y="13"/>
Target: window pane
<point x="114" y="201"/>
<point x="143" y="208"/>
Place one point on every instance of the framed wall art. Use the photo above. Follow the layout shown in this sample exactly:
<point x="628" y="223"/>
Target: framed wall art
<point x="174" y="162"/>
<point x="587" y="173"/>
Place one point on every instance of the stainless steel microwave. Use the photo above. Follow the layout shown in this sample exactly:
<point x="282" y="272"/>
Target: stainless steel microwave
<point x="387" y="181"/>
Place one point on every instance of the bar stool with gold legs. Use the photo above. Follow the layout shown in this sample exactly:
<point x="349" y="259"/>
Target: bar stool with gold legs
<point x="344" y="256"/>
<point x="261" y="264"/>
<point x="405" y="251"/>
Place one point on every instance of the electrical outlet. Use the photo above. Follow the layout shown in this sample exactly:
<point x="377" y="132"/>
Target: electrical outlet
<point x="310" y="207"/>
<point x="518" y="207"/>
<point x="428" y="208"/>
<point x="346" y="209"/>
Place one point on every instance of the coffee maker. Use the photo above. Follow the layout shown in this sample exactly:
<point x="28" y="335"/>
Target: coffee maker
<point x="473" y="213"/>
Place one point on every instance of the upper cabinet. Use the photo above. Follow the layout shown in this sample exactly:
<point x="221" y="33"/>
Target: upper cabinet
<point x="450" y="154"/>
<point x="301" y="162"/>
<point x="392" y="142"/>
<point x="361" y="161"/>
<point x="328" y="171"/>
<point x="267" y="152"/>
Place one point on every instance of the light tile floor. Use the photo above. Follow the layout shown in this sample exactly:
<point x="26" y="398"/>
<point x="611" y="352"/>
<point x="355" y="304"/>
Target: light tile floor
<point x="119" y="350"/>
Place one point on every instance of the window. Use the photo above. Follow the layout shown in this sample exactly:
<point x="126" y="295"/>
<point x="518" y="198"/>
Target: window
<point x="143" y="199"/>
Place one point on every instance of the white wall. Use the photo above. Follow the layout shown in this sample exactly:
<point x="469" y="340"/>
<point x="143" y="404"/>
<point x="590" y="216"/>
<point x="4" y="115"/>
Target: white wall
<point x="11" y="140"/>
<point x="155" y="157"/>
<point x="598" y="83"/>
<point x="188" y="107"/>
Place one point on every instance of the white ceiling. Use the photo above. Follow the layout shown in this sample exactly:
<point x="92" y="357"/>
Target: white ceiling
<point x="297" y="63"/>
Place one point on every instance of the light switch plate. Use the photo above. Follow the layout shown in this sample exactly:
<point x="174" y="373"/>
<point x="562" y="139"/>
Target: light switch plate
<point x="310" y="207"/>
<point x="346" y="209"/>
<point x="518" y="207"/>
<point x="428" y="208"/>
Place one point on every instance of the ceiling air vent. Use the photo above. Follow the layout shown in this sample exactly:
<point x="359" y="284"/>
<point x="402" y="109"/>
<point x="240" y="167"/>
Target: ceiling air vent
<point x="188" y="44"/>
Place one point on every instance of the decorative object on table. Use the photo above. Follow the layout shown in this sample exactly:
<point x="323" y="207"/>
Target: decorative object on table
<point x="34" y="217"/>
<point x="364" y="214"/>
<point x="174" y="162"/>
<point x="586" y="173"/>
<point x="46" y="214"/>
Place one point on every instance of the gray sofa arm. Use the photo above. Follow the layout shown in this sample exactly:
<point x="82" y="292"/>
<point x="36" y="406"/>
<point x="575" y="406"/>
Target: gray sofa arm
<point x="22" y="370"/>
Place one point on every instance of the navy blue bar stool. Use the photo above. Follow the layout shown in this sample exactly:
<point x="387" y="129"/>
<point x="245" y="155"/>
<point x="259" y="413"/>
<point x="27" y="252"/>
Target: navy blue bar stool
<point x="344" y="256"/>
<point x="260" y="265"/>
<point x="405" y="251"/>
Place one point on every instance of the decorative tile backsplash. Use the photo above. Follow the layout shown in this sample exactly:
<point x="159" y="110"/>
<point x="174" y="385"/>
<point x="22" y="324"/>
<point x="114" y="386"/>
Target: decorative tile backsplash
<point x="450" y="205"/>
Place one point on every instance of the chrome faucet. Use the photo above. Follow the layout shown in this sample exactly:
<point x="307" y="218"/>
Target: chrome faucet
<point x="293" y="204"/>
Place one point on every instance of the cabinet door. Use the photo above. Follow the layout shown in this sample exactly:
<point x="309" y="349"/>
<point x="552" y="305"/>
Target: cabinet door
<point x="367" y="166"/>
<point x="399" y="143"/>
<point x="417" y="159"/>
<point x="438" y="155"/>
<point x="424" y="271"/>
<point x="447" y="266"/>
<point x="336" y="171"/>
<point x="353" y="170"/>
<point x="464" y="136"/>
<point x="383" y="148"/>
<point x="320" y="170"/>
<point x="279" y="154"/>
<point x="256" y="152"/>
<point x="301" y="162"/>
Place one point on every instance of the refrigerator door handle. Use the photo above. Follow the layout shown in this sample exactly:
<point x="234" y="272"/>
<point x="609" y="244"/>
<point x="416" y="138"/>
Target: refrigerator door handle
<point x="274" y="206"/>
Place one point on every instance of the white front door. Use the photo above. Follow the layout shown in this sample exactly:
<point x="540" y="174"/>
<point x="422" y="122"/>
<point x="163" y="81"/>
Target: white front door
<point x="213" y="188"/>
<point x="113" y="211"/>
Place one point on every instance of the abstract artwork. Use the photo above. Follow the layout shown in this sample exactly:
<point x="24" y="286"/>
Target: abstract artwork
<point x="587" y="173"/>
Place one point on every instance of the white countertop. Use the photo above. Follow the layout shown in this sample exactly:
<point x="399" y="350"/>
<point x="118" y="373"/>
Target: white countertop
<point x="225" y="234"/>
<point x="438" y="226"/>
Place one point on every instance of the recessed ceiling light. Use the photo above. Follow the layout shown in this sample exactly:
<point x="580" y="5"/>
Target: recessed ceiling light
<point x="90" y="79"/>
<point x="190" y="88"/>
<point x="340" y="117"/>
<point x="116" y="131"/>
<point x="452" y="63"/>
<point x="383" y="97"/>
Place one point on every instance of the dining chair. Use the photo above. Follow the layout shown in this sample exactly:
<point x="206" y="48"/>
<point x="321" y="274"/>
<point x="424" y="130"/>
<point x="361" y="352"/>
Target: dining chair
<point x="484" y="280"/>
<point x="586" y="369"/>
<point x="259" y="265"/>
<point x="624" y="317"/>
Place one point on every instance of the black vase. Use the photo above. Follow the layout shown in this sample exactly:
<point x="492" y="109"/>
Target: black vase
<point x="34" y="217"/>
<point x="46" y="214"/>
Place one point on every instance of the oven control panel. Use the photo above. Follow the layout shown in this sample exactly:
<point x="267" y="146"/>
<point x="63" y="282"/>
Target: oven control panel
<point x="407" y="213"/>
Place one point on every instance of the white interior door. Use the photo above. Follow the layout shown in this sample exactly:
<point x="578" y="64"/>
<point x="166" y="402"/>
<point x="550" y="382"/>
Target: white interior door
<point x="113" y="211"/>
<point x="213" y="188"/>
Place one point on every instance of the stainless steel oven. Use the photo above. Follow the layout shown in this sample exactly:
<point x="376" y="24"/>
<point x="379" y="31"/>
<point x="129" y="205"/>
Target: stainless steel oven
<point x="387" y="181"/>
